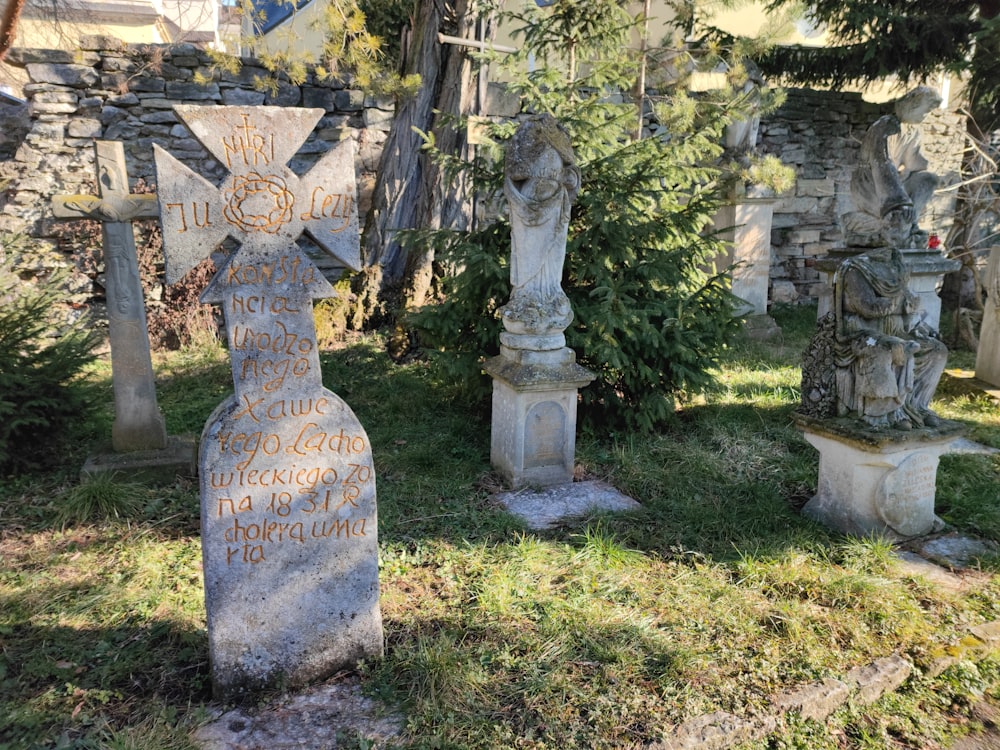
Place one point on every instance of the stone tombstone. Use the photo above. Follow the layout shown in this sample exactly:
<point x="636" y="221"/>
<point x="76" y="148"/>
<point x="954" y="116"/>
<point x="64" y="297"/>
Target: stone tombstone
<point x="138" y="424"/>
<point x="288" y="510"/>
<point x="535" y="376"/>
<point x="988" y="354"/>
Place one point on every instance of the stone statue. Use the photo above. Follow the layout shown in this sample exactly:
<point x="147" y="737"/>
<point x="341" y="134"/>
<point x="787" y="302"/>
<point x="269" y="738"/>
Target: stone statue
<point x="888" y="362"/>
<point x="873" y="357"/>
<point x="904" y="148"/>
<point x="541" y="182"/>
<point x="877" y="192"/>
<point x="892" y="172"/>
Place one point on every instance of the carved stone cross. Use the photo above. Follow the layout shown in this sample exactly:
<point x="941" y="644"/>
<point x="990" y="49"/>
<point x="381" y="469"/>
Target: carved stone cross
<point x="138" y="422"/>
<point x="288" y="520"/>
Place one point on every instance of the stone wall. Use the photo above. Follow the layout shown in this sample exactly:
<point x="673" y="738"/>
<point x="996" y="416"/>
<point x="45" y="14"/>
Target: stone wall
<point x="111" y="91"/>
<point x="819" y="133"/>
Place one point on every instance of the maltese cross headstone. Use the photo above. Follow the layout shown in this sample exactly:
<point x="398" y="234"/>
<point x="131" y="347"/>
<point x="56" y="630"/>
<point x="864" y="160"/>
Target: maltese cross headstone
<point x="288" y="512"/>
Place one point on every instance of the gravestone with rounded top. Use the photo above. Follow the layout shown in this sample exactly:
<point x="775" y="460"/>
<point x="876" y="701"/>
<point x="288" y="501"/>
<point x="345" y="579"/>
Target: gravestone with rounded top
<point x="289" y="528"/>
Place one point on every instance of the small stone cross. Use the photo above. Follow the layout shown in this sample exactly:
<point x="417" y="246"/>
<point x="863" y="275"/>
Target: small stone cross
<point x="138" y="422"/>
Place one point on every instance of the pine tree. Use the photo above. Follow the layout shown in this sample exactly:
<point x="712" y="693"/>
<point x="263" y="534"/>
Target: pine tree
<point x="912" y="39"/>
<point x="651" y="318"/>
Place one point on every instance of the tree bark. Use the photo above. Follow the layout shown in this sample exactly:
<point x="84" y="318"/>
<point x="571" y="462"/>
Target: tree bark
<point x="409" y="192"/>
<point x="8" y="25"/>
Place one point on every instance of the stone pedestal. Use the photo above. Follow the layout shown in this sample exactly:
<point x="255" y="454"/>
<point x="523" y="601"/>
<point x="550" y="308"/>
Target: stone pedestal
<point x="988" y="354"/>
<point x="159" y="466"/>
<point x="533" y="432"/>
<point x="747" y="227"/>
<point x="879" y="482"/>
<point x="927" y="269"/>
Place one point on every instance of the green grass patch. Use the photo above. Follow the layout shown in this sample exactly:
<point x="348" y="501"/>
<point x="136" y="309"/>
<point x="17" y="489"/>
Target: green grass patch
<point x="715" y="595"/>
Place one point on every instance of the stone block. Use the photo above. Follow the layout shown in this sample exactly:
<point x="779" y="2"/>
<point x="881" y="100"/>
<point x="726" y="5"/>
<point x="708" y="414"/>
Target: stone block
<point x="183" y="90"/>
<point x="101" y="42"/>
<point x="287" y="95"/>
<point x="803" y="236"/>
<point x="323" y="98"/>
<point x="876" y="482"/>
<point x="161" y="466"/>
<point x="75" y="76"/>
<point x="146" y="85"/>
<point x="350" y="100"/>
<point x="878" y="678"/>
<point x="242" y="97"/>
<point x="84" y="128"/>
<point x="533" y="430"/>
<point x="783" y="292"/>
<point x="378" y="119"/>
<point x="128" y="99"/>
<point x="160" y="117"/>
<point x="42" y="108"/>
<point x="815" y="188"/>
<point x="815" y="701"/>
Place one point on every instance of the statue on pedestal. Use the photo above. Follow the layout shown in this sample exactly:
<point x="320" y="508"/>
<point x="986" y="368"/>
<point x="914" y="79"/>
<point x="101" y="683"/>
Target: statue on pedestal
<point x="873" y="357"/>
<point x="904" y="148"/>
<point x="541" y="182"/>
<point x="892" y="173"/>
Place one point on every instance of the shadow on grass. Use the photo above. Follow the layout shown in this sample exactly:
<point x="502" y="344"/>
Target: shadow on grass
<point x="66" y="686"/>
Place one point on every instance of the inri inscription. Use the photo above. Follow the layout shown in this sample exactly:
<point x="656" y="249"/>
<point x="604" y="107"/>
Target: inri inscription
<point x="289" y="527"/>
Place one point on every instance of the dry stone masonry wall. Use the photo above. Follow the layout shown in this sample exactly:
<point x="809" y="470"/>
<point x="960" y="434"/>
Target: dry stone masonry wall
<point x="819" y="133"/>
<point x="112" y="91"/>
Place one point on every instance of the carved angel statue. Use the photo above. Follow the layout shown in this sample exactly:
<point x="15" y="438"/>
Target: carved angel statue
<point x="541" y="182"/>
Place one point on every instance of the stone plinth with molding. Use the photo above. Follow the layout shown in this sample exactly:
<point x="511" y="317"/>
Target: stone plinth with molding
<point x="879" y="482"/>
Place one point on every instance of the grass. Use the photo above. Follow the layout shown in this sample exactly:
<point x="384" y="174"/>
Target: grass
<point x="714" y="596"/>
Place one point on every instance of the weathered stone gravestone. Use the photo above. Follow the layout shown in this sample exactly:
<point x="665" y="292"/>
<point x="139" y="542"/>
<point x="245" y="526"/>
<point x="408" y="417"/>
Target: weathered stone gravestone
<point x="867" y="382"/>
<point x="289" y="526"/>
<point x="988" y="354"/>
<point x="138" y="432"/>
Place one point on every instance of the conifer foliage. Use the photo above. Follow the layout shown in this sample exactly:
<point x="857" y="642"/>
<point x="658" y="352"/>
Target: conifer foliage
<point x="651" y="314"/>
<point x="40" y="393"/>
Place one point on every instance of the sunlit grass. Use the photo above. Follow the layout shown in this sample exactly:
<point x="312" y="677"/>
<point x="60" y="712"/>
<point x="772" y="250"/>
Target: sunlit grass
<point x="715" y="595"/>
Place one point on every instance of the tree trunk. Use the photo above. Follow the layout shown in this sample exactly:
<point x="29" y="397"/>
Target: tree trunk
<point x="408" y="190"/>
<point x="8" y="25"/>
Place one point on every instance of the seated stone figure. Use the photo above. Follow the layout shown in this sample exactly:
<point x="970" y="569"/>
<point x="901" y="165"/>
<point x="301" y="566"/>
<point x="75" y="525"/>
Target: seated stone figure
<point x="887" y="362"/>
<point x="874" y="358"/>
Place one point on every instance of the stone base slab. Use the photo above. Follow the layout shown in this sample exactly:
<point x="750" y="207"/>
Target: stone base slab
<point x="565" y="502"/>
<point x="161" y="466"/>
<point x="533" y="429"/>
<point x="880" y="482"/>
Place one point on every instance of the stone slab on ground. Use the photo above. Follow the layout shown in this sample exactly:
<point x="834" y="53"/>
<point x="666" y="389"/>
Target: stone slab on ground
<point x="913" y="564"/>
<point x="545" y="509"/>
<point x="957" y="551"/>
<point x="318" y="719"/>
<point x="874" y="680"/>
<point x="160" y="466"/>
<point x="716" y="731"/>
